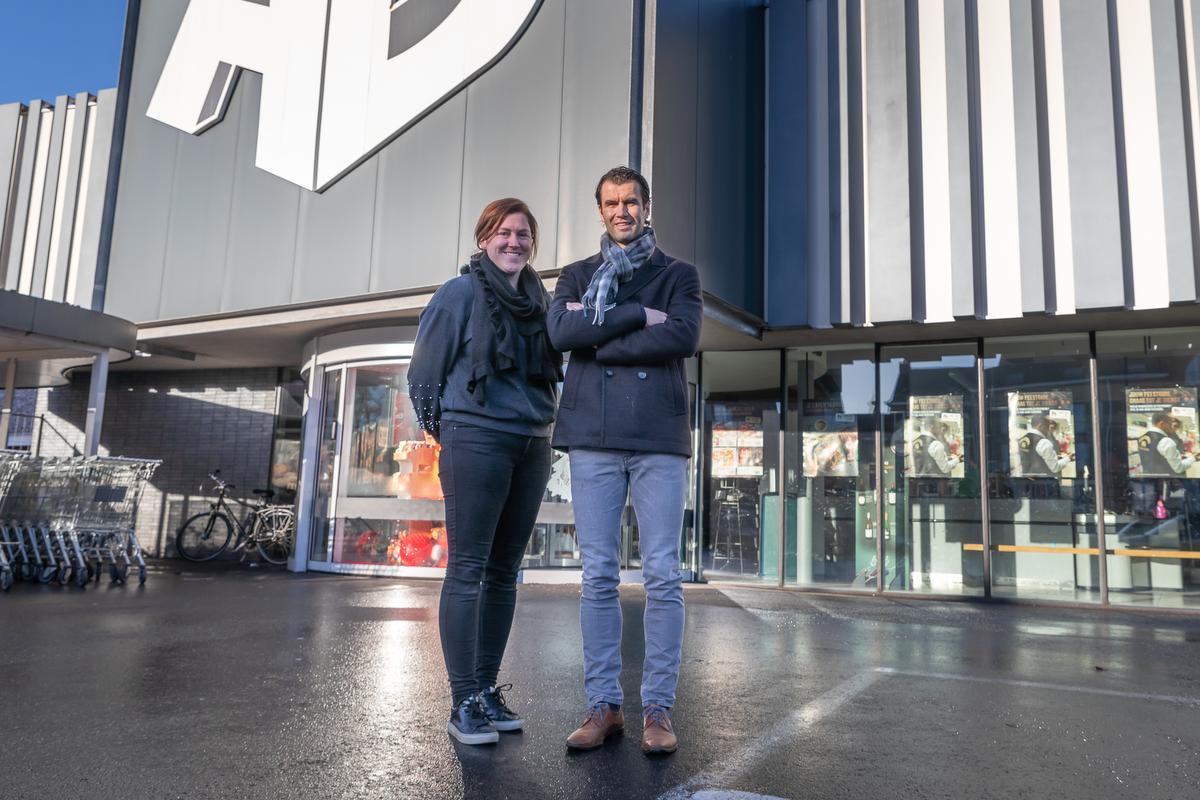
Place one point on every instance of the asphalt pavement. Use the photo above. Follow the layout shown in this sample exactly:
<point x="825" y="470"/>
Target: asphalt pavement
<point x="240" y="683"/>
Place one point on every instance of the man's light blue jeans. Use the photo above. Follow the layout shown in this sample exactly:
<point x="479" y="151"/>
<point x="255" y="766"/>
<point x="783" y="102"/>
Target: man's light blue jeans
<point x="657" y="482"/>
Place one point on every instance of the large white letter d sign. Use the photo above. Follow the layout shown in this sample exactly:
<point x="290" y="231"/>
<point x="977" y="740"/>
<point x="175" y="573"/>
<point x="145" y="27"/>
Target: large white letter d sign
<point x="339" y="77"/>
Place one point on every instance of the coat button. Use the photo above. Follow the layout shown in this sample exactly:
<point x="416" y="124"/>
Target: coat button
<point x="641" y="376"/>
<point x="608" y="372"/>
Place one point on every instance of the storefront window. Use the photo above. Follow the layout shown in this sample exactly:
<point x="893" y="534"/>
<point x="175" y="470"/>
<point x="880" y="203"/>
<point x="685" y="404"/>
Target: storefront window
<point x="1148" y="386"/>
<point x="1041" y="491"/>
<point x="741" y="475"/>
<point x="829" y="472"/>
<point x="390" y="499"/>
<point x="285" y="444"/>
<point x="932" y="527"/>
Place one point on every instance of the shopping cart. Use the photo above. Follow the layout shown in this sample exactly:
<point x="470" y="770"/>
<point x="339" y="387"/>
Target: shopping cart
<point x="64" y="519"/>
<point x="10" y="546"/>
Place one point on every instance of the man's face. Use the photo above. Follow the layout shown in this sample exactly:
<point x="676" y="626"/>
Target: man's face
<point x="623" y="212"/>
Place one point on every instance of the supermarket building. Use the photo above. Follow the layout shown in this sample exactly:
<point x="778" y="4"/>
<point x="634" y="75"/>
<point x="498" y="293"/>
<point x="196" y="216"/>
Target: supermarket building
<point x="950" y="250"/>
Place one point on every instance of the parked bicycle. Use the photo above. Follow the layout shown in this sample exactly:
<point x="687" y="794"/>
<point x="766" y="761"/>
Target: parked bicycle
<point x="271" y="529"/>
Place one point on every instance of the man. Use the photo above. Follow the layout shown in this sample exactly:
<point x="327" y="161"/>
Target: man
<point x="1159" y="448"/>
<point x="629" y="316"/>
<point x="1040" y="456"/>
<point x="931" y="455"/>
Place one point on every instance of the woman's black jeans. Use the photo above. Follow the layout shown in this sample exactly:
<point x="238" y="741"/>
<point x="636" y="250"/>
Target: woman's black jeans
<point x="493" y="483"/>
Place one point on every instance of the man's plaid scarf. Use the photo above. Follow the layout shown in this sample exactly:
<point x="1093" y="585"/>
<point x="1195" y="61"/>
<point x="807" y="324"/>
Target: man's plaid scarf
<point x="619" y="265"/>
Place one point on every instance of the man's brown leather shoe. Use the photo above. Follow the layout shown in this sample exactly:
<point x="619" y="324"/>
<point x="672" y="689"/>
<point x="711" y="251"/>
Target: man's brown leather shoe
<point x="600" y="723"/>
<point x="658" y="736"/>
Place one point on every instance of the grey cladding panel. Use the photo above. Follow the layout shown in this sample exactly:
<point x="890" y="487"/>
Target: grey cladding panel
<point x="595" y="118"/>
<point x="201" y="199"/>
<point x="24" y="183"/>
<point x="1029" y="201"/>
<point x="1176" y="206"/>
<point x="889" y="264"/>
<point x="787" y="180"/>
<point x="65" y="223"/>
<point x="959" y="147"/>
<point x="137" y="263"/>
<point x="729" y="188"/>
<point x="91" y="207"/>
<point x="1091" y="144"/>
<point x="673" y="182"/>
<point x="45" y="231"/>
<point x="416" y="218"/>
<point x="263" y="218"/>
<point x="512" y="136"/>
<point x="333" y="256"/>
<point x="10" y="143"/>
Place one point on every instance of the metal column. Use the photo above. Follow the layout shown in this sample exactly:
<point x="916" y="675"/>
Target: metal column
<point x="10" y="388"/>
<point x="310" y="455"/>
<point x="985" y="509"/>
<point x="95" y="407"/>
<point x="1098" y="470"/>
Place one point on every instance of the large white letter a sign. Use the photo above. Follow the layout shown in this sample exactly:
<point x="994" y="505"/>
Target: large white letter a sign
<point x="339" y="77"/>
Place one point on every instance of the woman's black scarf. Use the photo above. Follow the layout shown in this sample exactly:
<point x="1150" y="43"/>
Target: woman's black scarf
<point x="499" y="315"/>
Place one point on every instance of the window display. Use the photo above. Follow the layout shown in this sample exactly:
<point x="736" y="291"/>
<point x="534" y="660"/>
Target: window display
<point x="1041" y="434"/>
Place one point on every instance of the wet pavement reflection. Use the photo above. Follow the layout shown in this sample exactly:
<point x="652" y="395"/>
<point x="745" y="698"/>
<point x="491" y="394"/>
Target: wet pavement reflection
<point x="235" y="683"/>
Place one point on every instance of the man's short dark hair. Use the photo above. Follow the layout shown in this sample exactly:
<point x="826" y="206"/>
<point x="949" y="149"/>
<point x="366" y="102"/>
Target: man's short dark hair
<point x="1160" y="417"/>
<point x="621" y="176"/>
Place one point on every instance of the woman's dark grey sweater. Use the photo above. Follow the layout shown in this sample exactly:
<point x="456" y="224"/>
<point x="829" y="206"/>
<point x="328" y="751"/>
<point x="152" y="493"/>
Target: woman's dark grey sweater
<point x="440" y="369"/>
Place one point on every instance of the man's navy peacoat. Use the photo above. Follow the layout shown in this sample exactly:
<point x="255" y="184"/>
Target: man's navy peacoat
<point x="626" y="384"/>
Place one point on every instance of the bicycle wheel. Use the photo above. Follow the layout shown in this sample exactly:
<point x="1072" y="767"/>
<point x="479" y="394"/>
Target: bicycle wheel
<point x="274" y="533"/>
<point x="203" y="536"/>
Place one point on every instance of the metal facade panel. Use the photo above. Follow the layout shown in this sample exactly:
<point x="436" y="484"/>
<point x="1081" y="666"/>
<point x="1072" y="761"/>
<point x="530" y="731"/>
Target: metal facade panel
<point x="66" y="215"/>
<point x="790" y="194"/>
<point x="201" y="200"/>
<point x="11" y="126"/>
<point x="1139" y="155"/>
<point x="1029" y="200"/>
<point x="257" y="269"/>
<point x="1181" y="275"/>
<point x="90" y="206"/>
<point x="962" y="236"/>
<point x="512" y="136"/>
<point x="729" y="109"/>
<point x="137" y="262"/>
<point x="333" y="249"/>
<point x="816" y="266"/>
<point x="22" y="203"/>
<point x="888" y="254"/>
<point x="1091" y="145"/>
<point x="50" y="176"/>
<point x="937" y="285"/>
<point x="595" y="102"/>
<point x="674" y="180"/>
<point x="416" y="216"/>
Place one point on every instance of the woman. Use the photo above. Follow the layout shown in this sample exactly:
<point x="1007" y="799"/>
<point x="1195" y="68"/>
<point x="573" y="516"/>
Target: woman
<point x="483" y="381"/>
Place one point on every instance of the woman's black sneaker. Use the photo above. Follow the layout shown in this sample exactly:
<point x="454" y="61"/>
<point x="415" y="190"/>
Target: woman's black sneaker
<point x="470" y="725"/>
<point x="502" y="717"/>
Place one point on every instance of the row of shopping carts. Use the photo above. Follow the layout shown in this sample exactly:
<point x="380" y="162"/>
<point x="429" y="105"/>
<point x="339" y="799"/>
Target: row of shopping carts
<point x="65" y="519"/>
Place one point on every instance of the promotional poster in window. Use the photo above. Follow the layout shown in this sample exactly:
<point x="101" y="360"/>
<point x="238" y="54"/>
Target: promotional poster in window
<point x="933" y="436"/>
<point x="1162" y="432"/>
<point x="1041" y="434"/>
<point x="830" y="441"/>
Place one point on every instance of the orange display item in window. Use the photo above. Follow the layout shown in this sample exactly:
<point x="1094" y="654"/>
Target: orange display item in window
<point x="421" y="482"/>
<point x="441" y="547"/>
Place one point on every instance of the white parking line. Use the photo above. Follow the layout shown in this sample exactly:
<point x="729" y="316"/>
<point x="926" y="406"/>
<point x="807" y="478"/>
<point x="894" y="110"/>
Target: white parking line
<point x="786" y="729"/>
<point x="1058" y="687"/>
<point x="726" y="794"/>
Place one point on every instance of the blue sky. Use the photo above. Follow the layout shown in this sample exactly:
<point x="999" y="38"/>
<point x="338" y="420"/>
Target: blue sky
<point x="53" y="47"/>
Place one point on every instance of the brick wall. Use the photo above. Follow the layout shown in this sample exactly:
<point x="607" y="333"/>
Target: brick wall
<point x="194" y="421"/>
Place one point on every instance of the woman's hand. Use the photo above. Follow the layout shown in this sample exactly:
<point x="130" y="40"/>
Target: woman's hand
<point x="574" y="306"/>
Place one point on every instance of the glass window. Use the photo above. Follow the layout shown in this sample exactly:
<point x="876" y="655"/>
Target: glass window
<point x="1041" y="495"/>
<point x="326" y="467"/>
<point x="828" y="481"/>
<point x="741" y="472"/>
<point x="1148" y="384"/>
<point x="285" y="445"/>
<point x="933" y="536"/>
